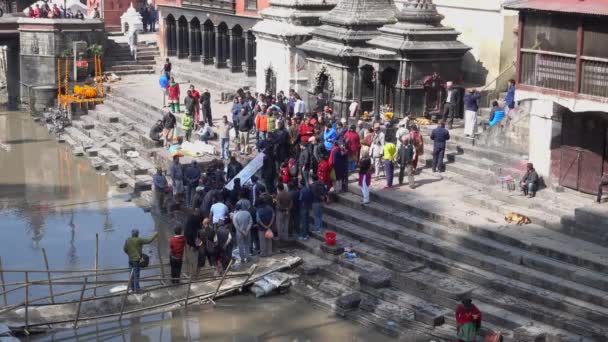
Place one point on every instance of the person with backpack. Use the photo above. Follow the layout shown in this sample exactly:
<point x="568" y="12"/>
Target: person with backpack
<point x="133" y="249"/>
<point x="167" y="68"/>
<point x="418" y="142"/>
<point x="223" y="241"/>
<point x="405" y="157"/>
<point x="177" y="245"/>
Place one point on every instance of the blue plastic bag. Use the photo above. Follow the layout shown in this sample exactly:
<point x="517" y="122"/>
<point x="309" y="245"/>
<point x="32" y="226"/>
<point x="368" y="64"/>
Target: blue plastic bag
<point x="163" y="81"/>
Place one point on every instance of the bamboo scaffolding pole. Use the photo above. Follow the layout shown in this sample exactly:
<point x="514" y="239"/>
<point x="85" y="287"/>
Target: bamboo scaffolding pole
<point x="124" y="298"/>
<point x="58" y="81"/>
<point x="48" y="272"/>
<point x="160" y="261"/>
<point x="3" y="286"/>
<point x="255" y="267"/>
<point x="96" y="262"/>
<point x="152" y="307"/>
<point x="84" y="287"/>
<point x="222" y="280"/>
<point x="188" y="291"/>
<point x="32" y="301"/>
<point x="27" y="294"/>
<point x="124" y="269"/>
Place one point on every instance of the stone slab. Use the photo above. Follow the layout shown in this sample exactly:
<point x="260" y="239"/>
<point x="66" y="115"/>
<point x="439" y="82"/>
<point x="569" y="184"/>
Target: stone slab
<point x="335" y="249"/>
<point x="349" y="301"/>
<point x="96" y="163"/>
<point x="375" y="280"/>
<point x="92" y="152"/>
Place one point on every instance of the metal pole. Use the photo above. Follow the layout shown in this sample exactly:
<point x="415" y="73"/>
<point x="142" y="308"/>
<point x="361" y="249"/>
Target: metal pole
<point x="160" y="260"/>
<point x="255" y="267"/>
<point x="48" y="273"/>
<point x="2" y="280"/>
<point x="84" y="286"/>
<point x="222" y="280"/>
<point x="27" y="295"/>
<point x="96" y="262"/>
<point x="124" y="298"/>
<point x="188" y="291"/>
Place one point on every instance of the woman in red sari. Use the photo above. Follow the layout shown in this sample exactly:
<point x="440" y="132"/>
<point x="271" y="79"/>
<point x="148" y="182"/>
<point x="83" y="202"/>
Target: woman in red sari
<point x="468" y="321"/>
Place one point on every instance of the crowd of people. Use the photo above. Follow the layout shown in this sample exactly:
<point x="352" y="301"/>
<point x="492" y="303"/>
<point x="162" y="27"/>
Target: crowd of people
<point x="56" y="12"/>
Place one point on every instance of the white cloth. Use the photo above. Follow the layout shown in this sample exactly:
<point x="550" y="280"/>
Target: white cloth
<point x="300" y="107"/>
<point x="470" y="122"/>
<point x="353" y="108"/>
<point x="365" y="189"/>
<point x="219" y="211"/>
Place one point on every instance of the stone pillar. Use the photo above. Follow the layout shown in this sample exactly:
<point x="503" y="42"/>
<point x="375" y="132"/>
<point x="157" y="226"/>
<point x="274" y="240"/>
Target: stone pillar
<point x="179" y="42"/>
<point x="249" y="54"/>
<point x="235" y="59"/>
<point x="193" y="55"/>
<point x="377" y="94"/>
<point x="207" y="57"/>
<point x="220" y="58"/>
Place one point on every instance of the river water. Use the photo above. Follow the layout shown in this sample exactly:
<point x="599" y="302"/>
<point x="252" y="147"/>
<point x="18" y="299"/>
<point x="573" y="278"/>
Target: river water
<point x="54" y="201"/>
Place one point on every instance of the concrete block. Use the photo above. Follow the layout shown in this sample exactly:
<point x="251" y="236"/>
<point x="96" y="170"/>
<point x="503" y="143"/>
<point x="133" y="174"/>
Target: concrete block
<point x="78" y="151"/>
<point x="349" y="301"/>
<point x="335" y="249"/>
<point x="92" y="152"/>
<point x="96" y="163"/>
<point x="142" y="186"/>
<point x="368" y="304"/>
<point x="310" y="269"/>
<point x="375" y="280"/>
<point x="429" y="318"/>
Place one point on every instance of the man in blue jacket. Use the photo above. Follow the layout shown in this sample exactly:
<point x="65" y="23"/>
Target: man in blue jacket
<point x="440" y="136"/>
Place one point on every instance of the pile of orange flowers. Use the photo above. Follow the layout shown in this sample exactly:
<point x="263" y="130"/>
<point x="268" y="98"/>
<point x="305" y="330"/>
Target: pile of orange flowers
<point x="86" y="91"/>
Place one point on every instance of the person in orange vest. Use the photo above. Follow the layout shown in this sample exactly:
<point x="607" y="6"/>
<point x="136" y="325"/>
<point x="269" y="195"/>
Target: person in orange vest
<point x="261" y="126"/>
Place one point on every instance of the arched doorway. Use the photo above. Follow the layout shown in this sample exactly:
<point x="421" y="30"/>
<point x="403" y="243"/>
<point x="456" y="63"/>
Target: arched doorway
<point x="250" y="54"/>
<point x="221" y="45"/>
<point x="236" y="49"/>
<point x="170" y="36"/>
<point x="270" y="81"/>
<point x="324" y="89"/>
<point x="183" y="49"/>
<point x="195" y="39"/>
<point x="208" y="42"/>
<point x="367" y="82"/>
<point x="388" y="81"/>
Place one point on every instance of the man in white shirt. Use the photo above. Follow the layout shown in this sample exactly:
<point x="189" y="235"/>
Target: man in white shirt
<point x="300" y="106"/>
<point x="218" y="211"/>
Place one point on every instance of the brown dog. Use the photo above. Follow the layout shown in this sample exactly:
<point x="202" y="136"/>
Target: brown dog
<point x="516" y="218"/>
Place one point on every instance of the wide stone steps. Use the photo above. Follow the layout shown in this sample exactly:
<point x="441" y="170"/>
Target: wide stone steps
<point x="482" y="244"/>
<point x="436" y="286"/>
<point x="476" y="220"/>
<point x="391" y="304"/>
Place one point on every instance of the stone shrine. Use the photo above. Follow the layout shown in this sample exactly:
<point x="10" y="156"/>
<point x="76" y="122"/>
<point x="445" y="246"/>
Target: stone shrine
<point x="286" y="25"/>
<point x="362" y="50"/>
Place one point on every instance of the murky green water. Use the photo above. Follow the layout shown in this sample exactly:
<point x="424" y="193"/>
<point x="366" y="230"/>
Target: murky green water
<point x="52" y="200"/>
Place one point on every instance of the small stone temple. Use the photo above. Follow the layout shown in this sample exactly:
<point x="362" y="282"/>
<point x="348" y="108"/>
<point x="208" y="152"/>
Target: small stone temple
<point x="363" y="50"/>
<point x="286" y="24"/>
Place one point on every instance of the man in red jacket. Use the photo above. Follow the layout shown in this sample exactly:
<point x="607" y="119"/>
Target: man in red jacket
<point x="353" y="145"/>
<point x="306" y="130"/>
<point x="177" y="243"/>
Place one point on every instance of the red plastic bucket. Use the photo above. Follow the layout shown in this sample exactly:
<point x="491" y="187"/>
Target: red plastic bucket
<point x="330" y="238"/>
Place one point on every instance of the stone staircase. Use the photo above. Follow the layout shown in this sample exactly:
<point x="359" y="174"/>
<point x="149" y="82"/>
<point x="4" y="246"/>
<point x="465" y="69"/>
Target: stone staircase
<point x="527" y="280"/>
<point x="207" y="76"/>
<point x="121" y="62"/>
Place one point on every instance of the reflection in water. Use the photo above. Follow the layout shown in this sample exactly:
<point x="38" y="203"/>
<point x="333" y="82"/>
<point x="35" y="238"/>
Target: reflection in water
<point x="240" y="318"/>
<point x="72" y="257"/>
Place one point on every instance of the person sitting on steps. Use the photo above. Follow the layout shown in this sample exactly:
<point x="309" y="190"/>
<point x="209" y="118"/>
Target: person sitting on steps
<point x="529" y="182"/>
